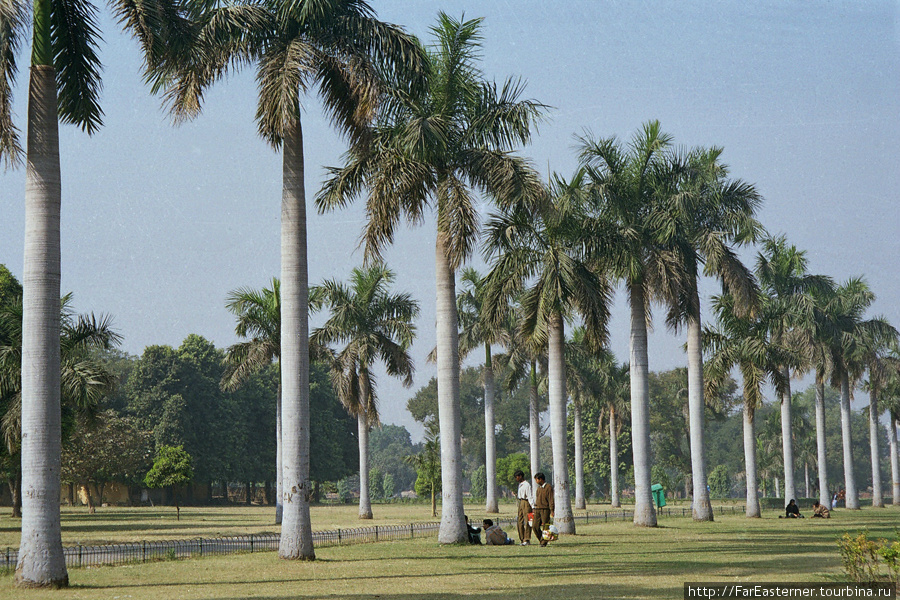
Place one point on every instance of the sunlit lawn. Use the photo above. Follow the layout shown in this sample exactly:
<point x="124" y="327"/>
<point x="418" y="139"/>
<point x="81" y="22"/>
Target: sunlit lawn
<point x="122" y="524"/>
<point x="614" y="560"/>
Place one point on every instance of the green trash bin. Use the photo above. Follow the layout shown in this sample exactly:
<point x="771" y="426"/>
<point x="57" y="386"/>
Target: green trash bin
<point x="659" y="495"/>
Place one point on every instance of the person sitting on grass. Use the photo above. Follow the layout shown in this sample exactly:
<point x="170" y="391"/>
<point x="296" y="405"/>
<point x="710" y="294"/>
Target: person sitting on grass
<point x="792" y="511"/>
<point x="493" y="535"/>
<point x="820" y="511"/>
<point x="474" y="532"/>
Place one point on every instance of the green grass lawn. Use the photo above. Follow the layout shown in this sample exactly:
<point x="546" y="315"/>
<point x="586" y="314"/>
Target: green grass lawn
<point x="123" y="524"/>
<point x="614" y="560"/>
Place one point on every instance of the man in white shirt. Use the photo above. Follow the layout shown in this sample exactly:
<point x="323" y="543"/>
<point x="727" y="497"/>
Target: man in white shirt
<point x="525" y="501"/>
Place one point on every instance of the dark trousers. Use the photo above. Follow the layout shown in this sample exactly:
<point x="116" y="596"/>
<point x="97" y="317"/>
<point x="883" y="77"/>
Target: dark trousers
<point x="522" y="521"/>
<point x="541" y="518"/>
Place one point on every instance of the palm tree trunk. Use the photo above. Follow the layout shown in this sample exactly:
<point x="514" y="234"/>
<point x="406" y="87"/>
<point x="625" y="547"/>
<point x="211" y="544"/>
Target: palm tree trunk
<point x="895" y="461"/>
<point x="852" y="497"/>
<point x="490" y="445"/>
<point x="534" y="424"/>
<point x="790" y="490"/>
<point x="41" y="561"/>
<point x="365" y="503"/>
<point x="279" y="489"/>
<point x="824" y="496"/>
<point x="778" y="491"/>
<point x="453" y="523"/>
<point x="579" y="458"/>
<point x="296" y="529"/>
<point x="877" y="496"/>
<point x="613" y="459"/>
<point x="700" y="506"/>
<point x="644" y="513"/>
<point x="750" y="464"/>
<point x="556" y="379"/>
<point x="806" y="475"/>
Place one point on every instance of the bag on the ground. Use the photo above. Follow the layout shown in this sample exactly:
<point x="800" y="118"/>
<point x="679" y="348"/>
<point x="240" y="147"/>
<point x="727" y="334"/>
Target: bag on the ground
<point x="550" y="533"/>
<point x="531" y="519"/>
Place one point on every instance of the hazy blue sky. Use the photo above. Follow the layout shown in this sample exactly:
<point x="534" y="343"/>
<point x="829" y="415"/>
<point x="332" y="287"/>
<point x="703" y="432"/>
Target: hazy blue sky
<point x="160" y="223"/>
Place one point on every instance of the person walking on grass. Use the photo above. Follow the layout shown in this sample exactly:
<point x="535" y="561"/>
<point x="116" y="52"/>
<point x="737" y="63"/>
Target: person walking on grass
<point x="525" y="502"/>
<point x="543" y="506"/>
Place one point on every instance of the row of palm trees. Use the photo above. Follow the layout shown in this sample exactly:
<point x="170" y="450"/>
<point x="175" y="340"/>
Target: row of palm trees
<point x="426" y="129"/>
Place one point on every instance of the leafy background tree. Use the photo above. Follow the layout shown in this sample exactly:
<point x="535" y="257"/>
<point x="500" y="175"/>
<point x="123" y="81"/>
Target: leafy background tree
<point x="172" y="467"/>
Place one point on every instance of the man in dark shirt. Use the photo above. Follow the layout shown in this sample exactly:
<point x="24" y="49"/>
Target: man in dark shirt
<point x="543" y="506"/>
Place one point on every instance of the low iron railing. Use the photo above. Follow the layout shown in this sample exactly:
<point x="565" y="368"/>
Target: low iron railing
<point x="121" y="553"/>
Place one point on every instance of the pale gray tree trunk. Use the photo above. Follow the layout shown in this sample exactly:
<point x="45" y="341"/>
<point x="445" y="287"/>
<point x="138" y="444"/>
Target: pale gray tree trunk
<point x="700" y="505"/>
<point x="296" y="529"/>
<point x="279" y="477"/>
<point x="453" y="524"/>
<point x="556" y="380"/>
<point x="787" y="445"/>
<point x="877" y="495"/>
<point x="852" y="497"/>
<point x="644" y="513"/>
<point x="41" y="561"/>
<point x="752" y="509"/>
<point x="778" y="491"/>
<point x="534" y="424"/>
<point x="824" y="496"/>
<point x="579" y="458"/>
<point x="613" y="460"/>
<point x="490" y="444"/>
<point x="365" y="502"/>
<point x="806" y="475"/>
<point x="895" y="462"/>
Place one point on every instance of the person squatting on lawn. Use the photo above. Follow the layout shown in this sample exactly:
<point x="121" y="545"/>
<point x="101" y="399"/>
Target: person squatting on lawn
<point x="544" y="506"/>
<point x="525" y="498"/>
<point x="821" y="511"/>
<point x="493" y="535"/>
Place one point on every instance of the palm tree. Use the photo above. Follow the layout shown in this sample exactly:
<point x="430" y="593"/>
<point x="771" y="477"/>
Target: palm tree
<point x="64" y="83"/>
<point x="781" y="269"/>
<point x="84" y="379"/>
<point x="588" y="379"/>
<point x="628" y="189"/>
<point x="847" y="334"/>
<point x="372" y="324"/>
<point x="475" y="333"/>
<point x="614" y="405"/>
<point x="743" y="342"/>
<point x="259" y="319"/>
<point x="546" y="249"/>
<point x="710" y="216"/>
<point x="875" y="354"/>
<point x="436" y="144"/>
<point x="339" y="47"/>
<point x="891" y="400"/>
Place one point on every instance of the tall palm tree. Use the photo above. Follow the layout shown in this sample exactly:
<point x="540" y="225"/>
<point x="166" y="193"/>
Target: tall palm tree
<point x="628" y="189"/>
<point x="847" y="335"/>
<point x="436" y="144"/>
<point x="475" y="333"/>
<point x="339" y="47"/>
<point x="781" y="269"/>
<point x="588" y="379"/>
<point x="614" y="405"/>
<point x="372" y="324"/>
<point x="710" y="216"/>
<point x="546" y="249"/>
<point x="743" y="342"/>
<point x="891" y="400"/>
<point x="64" y="84"/>
<point x="875" y="354"/>
<point x="258" y="315"/>
<point x="84" y="379"/>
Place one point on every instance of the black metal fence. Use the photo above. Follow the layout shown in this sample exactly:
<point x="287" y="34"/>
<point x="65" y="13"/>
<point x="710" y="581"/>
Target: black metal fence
<point x="114" y="554"/>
